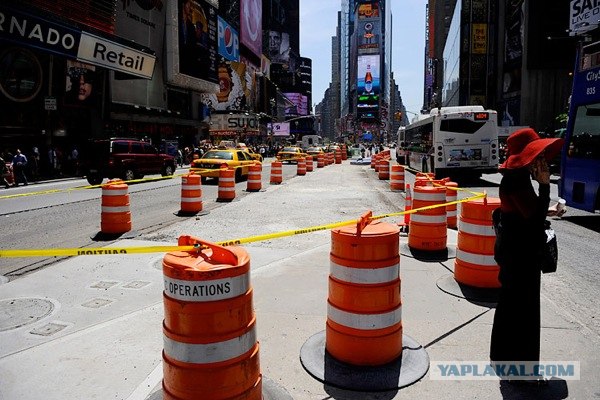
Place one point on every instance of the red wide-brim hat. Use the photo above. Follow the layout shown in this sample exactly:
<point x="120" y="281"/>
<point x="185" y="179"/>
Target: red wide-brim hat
<point x="524" y="145"/>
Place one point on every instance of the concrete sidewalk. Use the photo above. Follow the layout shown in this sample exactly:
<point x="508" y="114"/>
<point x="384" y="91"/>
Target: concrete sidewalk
<point x="91" y="327"/>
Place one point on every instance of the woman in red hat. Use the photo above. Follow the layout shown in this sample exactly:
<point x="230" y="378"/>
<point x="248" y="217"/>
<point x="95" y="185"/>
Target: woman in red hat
<point x="516" y="329"/>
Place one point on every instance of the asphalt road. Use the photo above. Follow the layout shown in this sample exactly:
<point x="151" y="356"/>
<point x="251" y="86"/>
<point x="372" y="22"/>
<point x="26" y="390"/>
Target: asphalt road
<point x="62" y="216"/>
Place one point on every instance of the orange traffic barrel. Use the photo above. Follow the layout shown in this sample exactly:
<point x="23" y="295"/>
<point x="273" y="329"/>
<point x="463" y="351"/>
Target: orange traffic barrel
<point x="384" y="169"/>
<point x="364" y="321"/>
<point x="397" y="178"/>
<point x="191" y="194"/>
<point x="338" y="156"/>
<point x="320" y="160"/>
<point x="427" y="229"/>
<point x="276" y="172"/>
<point x="344" y="152"/>
<point x="116" y="215"/>
<point x="309" y="163"/>
<point x="475" y="265"/>
<point x="330" y="158"/>
<point x="407" y="205"/>
<point x="374" y="161"/>
<point x="254" y="183"/>
<point x="301" y="166"/>
<point x="226" y="190"/>
<point x="451" y="209"/>
<point x="209" y="328"/>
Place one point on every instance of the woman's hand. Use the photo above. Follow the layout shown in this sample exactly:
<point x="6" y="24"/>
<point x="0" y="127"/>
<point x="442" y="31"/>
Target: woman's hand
<point x="540" y="171"/>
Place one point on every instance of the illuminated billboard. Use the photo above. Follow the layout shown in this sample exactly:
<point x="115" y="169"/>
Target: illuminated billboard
<point x="192" y="27"/>
<point x="369" y="36"/>
<point x="370" y="10"/>
<point x="368" y="75"/>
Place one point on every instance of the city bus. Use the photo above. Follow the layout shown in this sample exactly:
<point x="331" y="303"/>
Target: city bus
<point x="453" y="141"/>
<point x="580" y="162"/>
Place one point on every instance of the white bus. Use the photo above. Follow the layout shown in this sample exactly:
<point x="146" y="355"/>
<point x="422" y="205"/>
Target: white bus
<point x="453" y="141"/>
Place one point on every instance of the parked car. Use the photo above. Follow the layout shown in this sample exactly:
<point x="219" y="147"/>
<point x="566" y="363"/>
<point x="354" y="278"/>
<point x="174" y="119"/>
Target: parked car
<point x="290" y="154"/>
<point x="248" y="150"/>
<point x="124" y="158"/>
<point x="209" y="164"/>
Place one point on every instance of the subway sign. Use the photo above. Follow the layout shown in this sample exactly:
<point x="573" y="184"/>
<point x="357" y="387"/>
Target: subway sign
<point x="28" y="30"/>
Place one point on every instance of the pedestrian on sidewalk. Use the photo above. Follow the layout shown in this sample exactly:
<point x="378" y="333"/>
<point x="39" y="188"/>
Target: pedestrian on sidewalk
<point x="3" y="172"/>
<point x="516" y="328"/>
<point x="19" y="163"/>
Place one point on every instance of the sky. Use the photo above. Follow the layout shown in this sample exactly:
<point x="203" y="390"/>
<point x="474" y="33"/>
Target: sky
<point x="318" y="21"/>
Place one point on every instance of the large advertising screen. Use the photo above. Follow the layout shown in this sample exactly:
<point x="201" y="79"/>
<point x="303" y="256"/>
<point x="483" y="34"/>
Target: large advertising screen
<point x="368" y="75"/>
<point x="229" y="41"/>
<point x="369" y="36"/>
<point x="144" y="23"/>
<point x="251" y="25"/>
<point x="370" y="10"/>
<point x="192" y="26"/>
<point x="235" y="83"/>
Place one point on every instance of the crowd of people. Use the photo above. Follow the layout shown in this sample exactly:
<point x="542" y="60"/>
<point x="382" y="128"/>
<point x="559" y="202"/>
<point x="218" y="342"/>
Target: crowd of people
<point x="19" y="166"/>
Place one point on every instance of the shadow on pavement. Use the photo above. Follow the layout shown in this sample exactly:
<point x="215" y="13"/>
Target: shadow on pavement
<point x="591" y="222"/>
<point x="556" y="389"/>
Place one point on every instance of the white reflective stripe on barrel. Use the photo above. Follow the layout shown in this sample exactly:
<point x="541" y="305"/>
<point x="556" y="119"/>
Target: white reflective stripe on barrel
<point x="396" y="174"/>
<point x="226" y="189"/>
<point x="209" y="353"/>
<point x="114" y="192"/>
<point x="364" y="275"/>
<point x="451" y="213"/>
<point x="226" y="179"/>
<point x="191" y="199"/>
<point x="477" y="259"/>
<point x="474" y="229"/>
<point x="253" y="180"/>
<point x="438" y="197"/>
<point x="364" y="321"/>
<point x="191" y="187"/>
<point x="202" y="291"/>
<point x="113" y="209"/>
<point x="428" y="219"/>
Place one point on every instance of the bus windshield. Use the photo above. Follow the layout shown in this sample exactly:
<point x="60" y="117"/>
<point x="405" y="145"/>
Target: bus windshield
<point x="585" y="141"/>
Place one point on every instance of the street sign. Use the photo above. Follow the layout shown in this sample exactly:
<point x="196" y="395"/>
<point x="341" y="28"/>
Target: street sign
<point x="50" y="103"/>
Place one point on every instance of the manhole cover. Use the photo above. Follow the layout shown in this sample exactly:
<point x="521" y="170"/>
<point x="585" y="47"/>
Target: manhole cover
<point x="15" y="313"/>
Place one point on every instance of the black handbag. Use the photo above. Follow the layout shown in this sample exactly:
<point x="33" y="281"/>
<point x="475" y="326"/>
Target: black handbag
<point x="549" y="256"/>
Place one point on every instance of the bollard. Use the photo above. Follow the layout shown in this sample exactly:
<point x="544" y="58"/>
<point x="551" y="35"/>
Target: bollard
<point x="116" y="215"/>
<point x="301" y="167"/>
<point x="427" y="229"/>
<point x="397" y="178"/>
<point x="209" y="328"/>
<point x="364" y="322"/>
<point x="226" y="184"/>
<point x="191" y="194"/>
<point x="309" y="163"/>
<point x="475" y="265"/>
<point x="276" y="172"/>
<point x="254" y="183"/>
<point x="383" y="171"/>
<point x="451" y="195"/>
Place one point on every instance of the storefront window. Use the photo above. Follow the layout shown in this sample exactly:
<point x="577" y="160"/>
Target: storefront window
<point x="20" y="74"/>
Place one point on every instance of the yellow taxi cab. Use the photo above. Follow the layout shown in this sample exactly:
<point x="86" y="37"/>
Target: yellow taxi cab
<point x="290" y="154"/>
<point x="209" y="164"/>
<point x="315" y="151"/>
<point x="248" y="150"/>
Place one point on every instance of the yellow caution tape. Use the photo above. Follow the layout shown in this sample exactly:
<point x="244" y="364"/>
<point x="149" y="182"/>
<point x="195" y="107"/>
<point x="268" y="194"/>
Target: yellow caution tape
<point x="115" y="182"/>
<point x="234" y="242"/>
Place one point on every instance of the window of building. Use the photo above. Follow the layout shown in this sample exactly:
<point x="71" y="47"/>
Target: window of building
<point x="20" y="75"/>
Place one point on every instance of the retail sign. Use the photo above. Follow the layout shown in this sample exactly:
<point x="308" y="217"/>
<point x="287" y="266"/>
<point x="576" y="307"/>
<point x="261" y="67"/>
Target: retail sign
<point x="229" y="41"/>
<point x="32" y="31"/>
<point x="105" y="53"/>
<point x="279" y="128"/>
